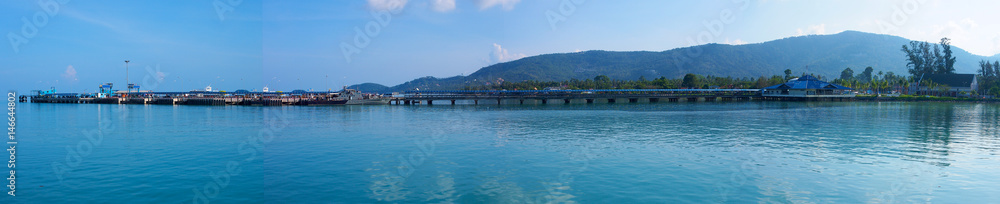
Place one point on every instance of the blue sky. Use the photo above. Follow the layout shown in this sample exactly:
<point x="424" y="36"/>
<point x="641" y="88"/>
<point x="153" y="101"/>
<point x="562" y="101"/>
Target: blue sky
<point x="185" y="45"/>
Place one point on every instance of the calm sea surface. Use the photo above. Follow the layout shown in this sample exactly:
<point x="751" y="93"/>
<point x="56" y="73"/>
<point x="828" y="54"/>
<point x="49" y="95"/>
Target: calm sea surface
<point x="711" y="152"/>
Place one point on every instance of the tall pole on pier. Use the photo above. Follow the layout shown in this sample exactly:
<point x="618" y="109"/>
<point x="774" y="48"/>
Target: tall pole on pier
<point x="128" y="86"/>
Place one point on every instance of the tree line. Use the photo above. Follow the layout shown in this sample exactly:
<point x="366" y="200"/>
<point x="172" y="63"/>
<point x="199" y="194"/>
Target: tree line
<point x="926" y="58"/>
<point x="989" y="77"/>
<point x="922" y="58"/>
<point x="689" y="81"/>
<point x="876" y="83"/>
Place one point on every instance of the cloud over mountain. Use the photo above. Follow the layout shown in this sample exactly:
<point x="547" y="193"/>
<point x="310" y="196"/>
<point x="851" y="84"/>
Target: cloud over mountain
<point x="499" y="55"/>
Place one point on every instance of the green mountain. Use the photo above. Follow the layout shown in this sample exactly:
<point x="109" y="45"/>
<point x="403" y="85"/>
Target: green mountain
<point x="369" y="87"/>
<point x="826" y="55"/>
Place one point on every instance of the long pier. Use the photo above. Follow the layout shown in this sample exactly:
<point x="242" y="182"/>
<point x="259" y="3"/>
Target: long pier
<point x="576" y="96"/>
<point x="421" y="97"/>
<point x="174" y="101"/>
<point x="192" y="98"/>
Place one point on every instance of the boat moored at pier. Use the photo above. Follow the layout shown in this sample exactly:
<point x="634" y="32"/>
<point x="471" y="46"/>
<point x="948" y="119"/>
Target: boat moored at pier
<point x="355" y="97"/>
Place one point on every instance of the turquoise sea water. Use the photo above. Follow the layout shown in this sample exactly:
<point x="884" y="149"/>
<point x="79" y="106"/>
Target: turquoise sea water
<point x="712" y="152"/>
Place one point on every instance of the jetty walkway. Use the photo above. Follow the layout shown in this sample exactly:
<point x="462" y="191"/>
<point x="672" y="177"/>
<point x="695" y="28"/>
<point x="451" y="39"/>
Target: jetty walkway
<point x="576" y="96"/>
<point x="419" y="97"/>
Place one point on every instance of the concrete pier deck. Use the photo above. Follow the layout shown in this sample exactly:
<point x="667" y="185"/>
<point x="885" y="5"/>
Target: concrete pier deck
<point x="502" y="97"/>
<point x="538" y="97"/>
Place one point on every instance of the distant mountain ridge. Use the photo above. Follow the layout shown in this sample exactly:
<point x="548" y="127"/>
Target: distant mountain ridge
<point x="826" y="55"/>
<point x="369" y="87"/>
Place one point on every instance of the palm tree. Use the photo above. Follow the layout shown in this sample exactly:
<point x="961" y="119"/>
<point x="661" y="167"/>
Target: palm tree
<point x="906" y="84"/>
<point x="887" y="86"/>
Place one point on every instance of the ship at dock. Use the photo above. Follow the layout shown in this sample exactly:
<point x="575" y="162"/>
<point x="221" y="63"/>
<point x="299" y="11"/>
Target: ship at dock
<point x="208" y="96"/>
<point x="347" y="97"/>
<point x="355" y="97"/>
<point x="329" y="99"/>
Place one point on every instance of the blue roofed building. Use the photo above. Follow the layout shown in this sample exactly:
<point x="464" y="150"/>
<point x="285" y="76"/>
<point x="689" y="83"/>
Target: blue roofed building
<point x="807" y="87"/>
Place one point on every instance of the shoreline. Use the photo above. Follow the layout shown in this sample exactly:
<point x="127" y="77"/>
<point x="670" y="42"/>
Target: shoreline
<point x="924" y="99"/>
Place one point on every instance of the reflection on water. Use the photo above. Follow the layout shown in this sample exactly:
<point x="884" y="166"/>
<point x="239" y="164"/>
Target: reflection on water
<point x="989" y="127"/>
<point x="931" y="128"/>
<point x="711" y="152"/>
<point x="728" y="152"/>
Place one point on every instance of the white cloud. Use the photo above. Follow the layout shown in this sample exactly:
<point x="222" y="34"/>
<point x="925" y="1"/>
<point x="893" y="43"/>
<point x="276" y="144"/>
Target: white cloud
<point x="443" y="5"/>
<point x="160" y="75"/>
<point x="96" y="21"/>
<point x="996" y="45"/>
<point x="965" y="33"/>
<point x="506" y="4"/>
<point x="813" y="30"/>
<point x="955" y="29"/>
<point x="776" y="1"/>
<point x="499" y="54"/>
<point x="387" y="5"/>
<point x="969" y="22"/>
<point x="156" y="73"/>
<point x="70" y="73"/>
<point x="735" y="42"/>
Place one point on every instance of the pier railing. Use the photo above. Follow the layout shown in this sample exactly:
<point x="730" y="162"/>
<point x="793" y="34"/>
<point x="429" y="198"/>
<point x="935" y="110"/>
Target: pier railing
<point x="412" y="97"/>
<point x="583" y="93"/>
<point x="578" y="96"/>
